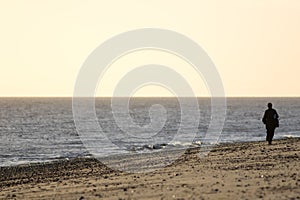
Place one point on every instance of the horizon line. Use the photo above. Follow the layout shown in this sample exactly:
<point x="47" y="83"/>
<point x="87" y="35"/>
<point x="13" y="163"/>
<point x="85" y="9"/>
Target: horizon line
<point x="151" y="96"/>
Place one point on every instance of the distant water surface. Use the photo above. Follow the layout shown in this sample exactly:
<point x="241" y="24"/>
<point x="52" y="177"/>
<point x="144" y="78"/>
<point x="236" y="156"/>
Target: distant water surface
<point x="42" y="129"/>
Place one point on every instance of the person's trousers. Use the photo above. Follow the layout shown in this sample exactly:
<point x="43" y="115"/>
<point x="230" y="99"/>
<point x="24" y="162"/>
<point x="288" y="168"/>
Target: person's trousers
<point x="270" y="134"/>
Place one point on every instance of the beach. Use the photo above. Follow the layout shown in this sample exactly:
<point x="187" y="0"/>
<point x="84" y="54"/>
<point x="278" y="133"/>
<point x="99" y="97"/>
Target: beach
<point x="248" y="170"/>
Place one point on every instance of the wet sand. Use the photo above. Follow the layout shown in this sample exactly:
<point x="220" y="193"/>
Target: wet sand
<point x="251" y="170"/>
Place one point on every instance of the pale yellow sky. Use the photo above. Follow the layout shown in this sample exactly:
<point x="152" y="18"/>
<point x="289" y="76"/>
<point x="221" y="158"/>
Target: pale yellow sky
<point x="254" y="44"/>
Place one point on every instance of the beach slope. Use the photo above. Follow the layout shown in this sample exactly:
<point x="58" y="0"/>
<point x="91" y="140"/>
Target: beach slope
<point x="249" y="170"/>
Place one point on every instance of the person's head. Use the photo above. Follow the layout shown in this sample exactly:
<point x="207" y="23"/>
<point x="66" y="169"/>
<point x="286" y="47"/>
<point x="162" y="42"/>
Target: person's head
<point x="270" y="105"/>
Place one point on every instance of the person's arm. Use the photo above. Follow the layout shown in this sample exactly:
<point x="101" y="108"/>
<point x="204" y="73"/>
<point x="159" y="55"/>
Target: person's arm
<point x="264" y="118"/>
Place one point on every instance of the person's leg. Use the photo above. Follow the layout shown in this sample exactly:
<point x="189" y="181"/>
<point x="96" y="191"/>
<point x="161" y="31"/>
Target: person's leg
<point x="268" y="135"/>
<point x="271" y="135"/>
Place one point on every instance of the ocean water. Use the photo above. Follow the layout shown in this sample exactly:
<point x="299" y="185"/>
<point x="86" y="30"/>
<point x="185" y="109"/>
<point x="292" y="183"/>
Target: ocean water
<point x="43" y="129"/>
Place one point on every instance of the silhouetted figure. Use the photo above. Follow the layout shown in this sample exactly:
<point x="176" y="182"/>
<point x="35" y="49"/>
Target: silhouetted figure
<point x="270" y="119"/>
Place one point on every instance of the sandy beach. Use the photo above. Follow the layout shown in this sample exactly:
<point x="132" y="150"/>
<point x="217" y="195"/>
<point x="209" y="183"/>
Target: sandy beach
<point x="252" y="170"/>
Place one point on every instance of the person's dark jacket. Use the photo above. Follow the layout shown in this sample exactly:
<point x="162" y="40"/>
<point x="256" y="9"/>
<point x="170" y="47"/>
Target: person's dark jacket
<point x="270" y="118"/>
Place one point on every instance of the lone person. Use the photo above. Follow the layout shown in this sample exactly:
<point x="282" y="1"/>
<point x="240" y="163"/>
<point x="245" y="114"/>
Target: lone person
<point x="270" y="119"/>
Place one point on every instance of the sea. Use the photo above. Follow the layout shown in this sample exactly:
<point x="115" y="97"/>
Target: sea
<point x="43" y="129"/>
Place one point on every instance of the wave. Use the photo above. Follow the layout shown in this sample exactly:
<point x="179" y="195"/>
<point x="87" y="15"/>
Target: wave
<point x="180" y="145"/>
<point x="290" y="136"/>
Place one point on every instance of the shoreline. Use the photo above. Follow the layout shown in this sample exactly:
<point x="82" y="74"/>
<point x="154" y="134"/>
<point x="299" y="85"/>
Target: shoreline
<point x="90" y="156"/>
<point x="230" y="170"/>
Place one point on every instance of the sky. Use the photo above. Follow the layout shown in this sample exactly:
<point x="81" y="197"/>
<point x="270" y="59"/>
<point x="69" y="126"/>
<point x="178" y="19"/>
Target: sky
<point x="254" y="44"/>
